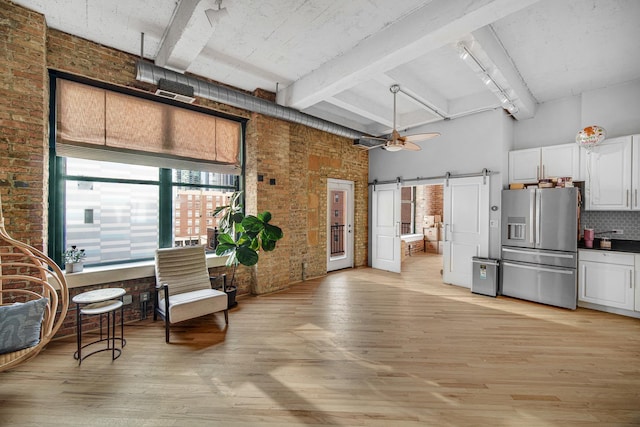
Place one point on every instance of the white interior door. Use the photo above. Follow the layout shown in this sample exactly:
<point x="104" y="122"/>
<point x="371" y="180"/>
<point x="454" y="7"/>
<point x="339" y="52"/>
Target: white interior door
<point x="385" y="227"/>
<point x="339" y="224"/>
<point x="466" y="227"/>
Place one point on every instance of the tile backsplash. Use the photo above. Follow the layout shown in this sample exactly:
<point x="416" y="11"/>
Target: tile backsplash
<point x="627" y="221"/>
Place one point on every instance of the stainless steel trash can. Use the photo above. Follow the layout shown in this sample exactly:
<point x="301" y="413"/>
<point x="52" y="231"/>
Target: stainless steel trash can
<point x="485" y="276"/>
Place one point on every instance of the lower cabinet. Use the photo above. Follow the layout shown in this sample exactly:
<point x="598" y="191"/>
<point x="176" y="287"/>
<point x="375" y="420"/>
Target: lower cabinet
<point x="637" y="307"/>
<point x="606" y="278"/>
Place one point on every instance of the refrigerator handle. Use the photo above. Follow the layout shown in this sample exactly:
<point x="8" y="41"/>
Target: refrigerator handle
<point x="538" y="199"/>
<point x="532" y="208"/>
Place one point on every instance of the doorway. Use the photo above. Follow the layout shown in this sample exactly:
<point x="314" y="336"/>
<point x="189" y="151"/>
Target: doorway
<point x="421" y="218"/>
<point x="449" y="220"/>
<point x="340" y="213"/>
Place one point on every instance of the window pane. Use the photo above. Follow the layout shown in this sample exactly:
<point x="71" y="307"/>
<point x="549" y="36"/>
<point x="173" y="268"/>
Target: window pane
<point x="124" y="224"/>
<point x="98" y="169"/>
<point x="181" y="176"/>
<point x="191" y="204"/>
<point x="407" y="212"/>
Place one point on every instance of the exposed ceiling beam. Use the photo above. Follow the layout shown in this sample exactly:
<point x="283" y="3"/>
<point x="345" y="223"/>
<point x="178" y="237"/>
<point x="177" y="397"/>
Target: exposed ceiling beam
<point x="434" y="25"/>
<point x="186" y="36"/>
<point x="505" y="73"/>
<point x="355" y="104"/>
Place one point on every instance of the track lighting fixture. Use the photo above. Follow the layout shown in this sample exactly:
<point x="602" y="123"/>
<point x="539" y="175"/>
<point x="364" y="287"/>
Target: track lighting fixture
<point x="485" y="75"/>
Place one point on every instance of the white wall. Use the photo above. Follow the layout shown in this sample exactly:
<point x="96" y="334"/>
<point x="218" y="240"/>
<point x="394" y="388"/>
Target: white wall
<point x="556" y="122"/>
<point x="466" y="145"/>
<point x="615" y="108"/>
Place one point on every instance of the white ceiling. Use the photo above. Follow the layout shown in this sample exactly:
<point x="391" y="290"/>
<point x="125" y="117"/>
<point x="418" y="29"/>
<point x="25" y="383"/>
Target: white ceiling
<point x="336" y="59"/>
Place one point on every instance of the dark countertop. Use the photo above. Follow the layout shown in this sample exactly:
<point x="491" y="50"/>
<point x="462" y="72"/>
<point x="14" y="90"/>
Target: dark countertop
<point x="617" y="245"/>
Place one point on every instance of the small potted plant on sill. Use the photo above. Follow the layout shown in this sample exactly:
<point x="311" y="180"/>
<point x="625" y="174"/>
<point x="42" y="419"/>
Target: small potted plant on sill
<point x="243" y="236"/>
<point x="73" y="259"/>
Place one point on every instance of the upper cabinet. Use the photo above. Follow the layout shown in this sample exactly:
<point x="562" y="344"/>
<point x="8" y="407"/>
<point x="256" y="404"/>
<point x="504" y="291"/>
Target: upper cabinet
<point x="528" y="166"/>
<point x="612" y="175"/>
<point x="524" y="165"/>
<point x="635" y="173"/>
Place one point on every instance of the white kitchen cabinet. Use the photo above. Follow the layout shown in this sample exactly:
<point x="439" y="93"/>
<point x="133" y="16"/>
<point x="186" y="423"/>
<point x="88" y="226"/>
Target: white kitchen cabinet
<point x="635" y="173"/>
<point x="530" y="165"/>
<point x="608" y="175"/>
<point x="561" y="160"/>
<point x="606" y="278"/>
<point x="524" y="165"/>
<point x="637" y="303"/>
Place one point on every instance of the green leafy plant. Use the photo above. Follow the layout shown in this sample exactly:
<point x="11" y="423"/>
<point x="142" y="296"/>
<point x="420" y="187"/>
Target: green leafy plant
<point x="243" y="236"/>
<point x="73" y="255"/>
<point x="231" y="213"/>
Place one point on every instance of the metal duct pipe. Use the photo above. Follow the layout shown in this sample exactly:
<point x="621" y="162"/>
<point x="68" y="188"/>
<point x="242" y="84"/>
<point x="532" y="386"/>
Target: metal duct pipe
<point x="150" y="73"/>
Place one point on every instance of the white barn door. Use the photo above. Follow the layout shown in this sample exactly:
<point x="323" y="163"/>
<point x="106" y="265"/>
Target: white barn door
<point x="385" y="227"/>
<point x="466" y="227"/>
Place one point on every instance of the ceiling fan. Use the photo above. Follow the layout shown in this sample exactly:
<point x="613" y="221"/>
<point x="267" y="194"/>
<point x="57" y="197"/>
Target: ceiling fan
<point x="396" y="142"/>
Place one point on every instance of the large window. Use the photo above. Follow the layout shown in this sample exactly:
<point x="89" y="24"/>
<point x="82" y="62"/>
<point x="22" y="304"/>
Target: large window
<point x="121" y="204"/>
<point x="127" y="208"/>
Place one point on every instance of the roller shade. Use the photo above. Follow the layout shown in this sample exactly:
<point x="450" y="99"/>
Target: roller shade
<point x="98" y="124"/>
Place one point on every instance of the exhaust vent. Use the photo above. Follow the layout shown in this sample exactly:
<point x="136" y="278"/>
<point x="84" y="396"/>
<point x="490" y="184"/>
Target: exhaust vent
<point x="174" y="90"/>
<point x="150" y="73"/>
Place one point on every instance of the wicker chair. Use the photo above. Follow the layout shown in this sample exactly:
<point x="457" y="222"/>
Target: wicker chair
<point x="183" y="287"/>
<point x="26" y="274"/>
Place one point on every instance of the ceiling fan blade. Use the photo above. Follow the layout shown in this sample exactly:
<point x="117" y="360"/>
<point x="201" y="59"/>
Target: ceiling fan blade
<point x="421" y="136"/>
<point x="408" y="145"/>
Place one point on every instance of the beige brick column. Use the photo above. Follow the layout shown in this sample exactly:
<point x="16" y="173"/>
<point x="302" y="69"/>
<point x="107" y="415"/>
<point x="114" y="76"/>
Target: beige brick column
<point x="23" y="118"/>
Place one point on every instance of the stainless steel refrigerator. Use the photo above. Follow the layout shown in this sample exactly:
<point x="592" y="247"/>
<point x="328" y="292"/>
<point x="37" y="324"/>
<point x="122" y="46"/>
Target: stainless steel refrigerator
<point x="539" y="245"/>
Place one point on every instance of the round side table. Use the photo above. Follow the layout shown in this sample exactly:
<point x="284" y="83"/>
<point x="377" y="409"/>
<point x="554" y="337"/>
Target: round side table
<point x="98" y="302"/>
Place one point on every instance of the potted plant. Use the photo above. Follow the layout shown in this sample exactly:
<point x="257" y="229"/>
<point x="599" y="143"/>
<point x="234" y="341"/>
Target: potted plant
<point x="243" y="236"/>
<point x="73" y="259"/>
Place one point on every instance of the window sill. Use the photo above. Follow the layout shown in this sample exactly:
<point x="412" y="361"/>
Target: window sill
<point x="119" y="272"/>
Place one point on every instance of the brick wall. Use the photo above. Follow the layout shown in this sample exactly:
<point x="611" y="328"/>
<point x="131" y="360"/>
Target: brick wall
<point x="23" y="112"/>
<point x="429" y="201"/>
<point x="434" y="199"/>
<point x="315" y="157"/>
<point x="300" y="159"/>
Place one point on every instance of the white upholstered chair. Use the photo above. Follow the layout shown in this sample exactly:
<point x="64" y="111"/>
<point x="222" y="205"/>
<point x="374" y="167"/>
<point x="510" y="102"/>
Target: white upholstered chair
<point x="183" y="287"/>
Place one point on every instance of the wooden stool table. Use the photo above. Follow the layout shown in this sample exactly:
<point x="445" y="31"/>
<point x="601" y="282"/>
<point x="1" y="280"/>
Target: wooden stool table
<point x="101" y="301"/>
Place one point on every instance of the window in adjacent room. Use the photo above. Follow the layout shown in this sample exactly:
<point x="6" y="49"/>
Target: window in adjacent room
<point x="407" y="210"/>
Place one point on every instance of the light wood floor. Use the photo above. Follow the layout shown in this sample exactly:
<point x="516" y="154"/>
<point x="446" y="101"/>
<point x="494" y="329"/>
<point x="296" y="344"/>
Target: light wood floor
<point x="356" y="348"/>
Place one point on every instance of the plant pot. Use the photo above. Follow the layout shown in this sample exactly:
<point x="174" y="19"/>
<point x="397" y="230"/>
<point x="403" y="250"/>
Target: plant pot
<point x="231" y="296"/>
<point x="73" y="267"/>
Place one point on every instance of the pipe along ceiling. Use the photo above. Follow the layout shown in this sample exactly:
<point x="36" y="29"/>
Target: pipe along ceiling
<point x="150" y="73"/>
